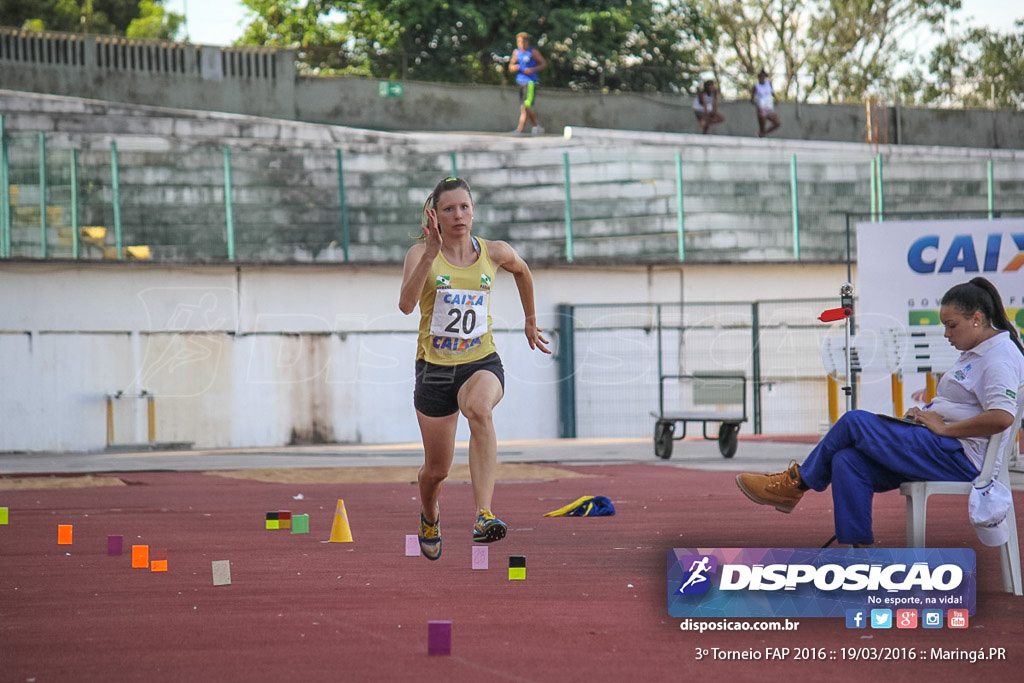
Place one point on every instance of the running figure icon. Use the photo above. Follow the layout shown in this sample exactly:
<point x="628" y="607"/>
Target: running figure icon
<point x="697" y="570"/>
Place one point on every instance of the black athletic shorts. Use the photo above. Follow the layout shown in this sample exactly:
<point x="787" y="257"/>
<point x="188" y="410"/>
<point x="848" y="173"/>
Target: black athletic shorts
<point x="437" y="386"/>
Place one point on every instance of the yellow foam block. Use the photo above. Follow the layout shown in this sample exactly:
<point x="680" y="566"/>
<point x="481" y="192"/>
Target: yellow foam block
<point x="96" y="233"/>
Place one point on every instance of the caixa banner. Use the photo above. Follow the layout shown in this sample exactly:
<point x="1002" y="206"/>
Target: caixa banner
<point x="817" y="582"/>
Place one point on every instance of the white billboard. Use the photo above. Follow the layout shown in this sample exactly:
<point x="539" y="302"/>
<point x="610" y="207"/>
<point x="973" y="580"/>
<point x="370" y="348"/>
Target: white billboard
<point x="904" y="268"/>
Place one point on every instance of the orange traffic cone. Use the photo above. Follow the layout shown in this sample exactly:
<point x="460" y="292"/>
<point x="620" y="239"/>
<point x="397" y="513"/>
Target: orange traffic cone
<point x="340" y="531"/>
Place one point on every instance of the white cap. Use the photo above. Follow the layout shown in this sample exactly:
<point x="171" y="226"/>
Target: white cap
<point x="988" y="507"/>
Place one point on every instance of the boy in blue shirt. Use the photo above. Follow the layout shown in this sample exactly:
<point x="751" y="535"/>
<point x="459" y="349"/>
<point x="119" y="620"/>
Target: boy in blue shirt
<point x="526" y="62"/>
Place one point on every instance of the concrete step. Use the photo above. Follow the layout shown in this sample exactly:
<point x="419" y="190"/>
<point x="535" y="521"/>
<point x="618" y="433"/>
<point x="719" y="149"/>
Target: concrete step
<point x="287" y="203"/>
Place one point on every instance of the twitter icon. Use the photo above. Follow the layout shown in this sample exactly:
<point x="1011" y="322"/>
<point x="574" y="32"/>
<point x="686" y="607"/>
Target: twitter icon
<point x="881" y="618"/>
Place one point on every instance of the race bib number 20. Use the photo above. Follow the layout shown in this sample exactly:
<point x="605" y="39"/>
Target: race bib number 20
<point x="459" y="313"/>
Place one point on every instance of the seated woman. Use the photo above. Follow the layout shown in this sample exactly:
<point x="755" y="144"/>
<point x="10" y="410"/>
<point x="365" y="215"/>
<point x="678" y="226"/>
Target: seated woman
<point x="705" y="106"/>
<point x="864" y="452"/>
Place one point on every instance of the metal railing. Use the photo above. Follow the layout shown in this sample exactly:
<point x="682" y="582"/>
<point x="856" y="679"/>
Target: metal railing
<point x="172" y="201"/>
<point x="612" y="357"/>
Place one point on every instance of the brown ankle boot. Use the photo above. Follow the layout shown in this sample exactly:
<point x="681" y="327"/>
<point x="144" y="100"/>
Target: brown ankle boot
<point x="783" y="490"/>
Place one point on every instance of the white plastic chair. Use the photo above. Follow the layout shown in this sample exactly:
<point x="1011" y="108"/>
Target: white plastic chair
<point x="917" y="493"/>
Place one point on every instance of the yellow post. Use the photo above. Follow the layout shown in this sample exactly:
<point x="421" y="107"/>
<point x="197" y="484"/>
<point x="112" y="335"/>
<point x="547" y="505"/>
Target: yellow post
<point x="151" y="417"/>
<point x="833" y="399"/>
<point x="931" y="380"/>
<point x="110" y="421"/>
<point x="897" y="394"/>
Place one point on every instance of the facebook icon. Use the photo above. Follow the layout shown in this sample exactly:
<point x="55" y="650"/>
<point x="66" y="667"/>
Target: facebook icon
<point x="856" y="618"/>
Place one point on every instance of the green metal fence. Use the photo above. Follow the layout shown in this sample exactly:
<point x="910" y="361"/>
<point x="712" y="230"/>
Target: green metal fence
<point x="611" y="357"/>
<point x="171" y="201"/>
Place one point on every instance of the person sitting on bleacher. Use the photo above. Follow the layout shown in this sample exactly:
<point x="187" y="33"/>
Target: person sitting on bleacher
<point x="864" y="452"/>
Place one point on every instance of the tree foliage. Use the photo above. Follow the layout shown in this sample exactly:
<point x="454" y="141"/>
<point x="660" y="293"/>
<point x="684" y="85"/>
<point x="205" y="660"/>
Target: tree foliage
<point x="108" y="17"/>
<point x="826" y="50"/>
<point x="643" y="47"/>
<point x="816" y="50"/>
<point x="155" y="22"/>
<point x="979" y="68"/>
<point x="637" y="45"/>
<point x="303" y="25"/>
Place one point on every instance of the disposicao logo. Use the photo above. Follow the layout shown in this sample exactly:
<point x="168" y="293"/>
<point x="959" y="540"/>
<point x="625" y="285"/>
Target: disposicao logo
<point x="815" y="582"/>
<point x="697" y="581"/>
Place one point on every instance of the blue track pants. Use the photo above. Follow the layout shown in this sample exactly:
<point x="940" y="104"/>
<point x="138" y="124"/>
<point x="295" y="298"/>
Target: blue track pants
<point x="864" y="453"/>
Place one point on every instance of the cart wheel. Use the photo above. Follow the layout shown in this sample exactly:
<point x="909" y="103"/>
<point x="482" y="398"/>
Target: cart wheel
<point x="663" y="439"/>
<point x="728" y="439"/>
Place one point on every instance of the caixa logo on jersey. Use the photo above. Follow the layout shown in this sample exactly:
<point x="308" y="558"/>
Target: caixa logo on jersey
<point x="815" y="582"/>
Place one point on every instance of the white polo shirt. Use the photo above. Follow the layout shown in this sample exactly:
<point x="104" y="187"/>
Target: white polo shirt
<point x="984" y="378"/>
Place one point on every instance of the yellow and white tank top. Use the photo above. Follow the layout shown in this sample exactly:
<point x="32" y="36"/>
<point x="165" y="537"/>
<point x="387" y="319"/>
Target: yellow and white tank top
<point x="455" y="311"/>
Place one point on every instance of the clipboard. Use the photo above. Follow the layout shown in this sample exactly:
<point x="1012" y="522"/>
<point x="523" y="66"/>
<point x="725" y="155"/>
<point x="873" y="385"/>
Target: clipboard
<point x="905" y="420"/>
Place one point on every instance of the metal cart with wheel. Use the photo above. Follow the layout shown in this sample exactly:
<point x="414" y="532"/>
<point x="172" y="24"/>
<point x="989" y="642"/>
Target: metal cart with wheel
<point x="704" y="390"/>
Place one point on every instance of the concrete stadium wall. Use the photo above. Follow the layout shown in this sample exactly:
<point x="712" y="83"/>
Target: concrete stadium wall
<point x="264" y="83"/>
<point x="737" y="192"/>
<point x="267" y="356"/>
<point x="145" y="71"/>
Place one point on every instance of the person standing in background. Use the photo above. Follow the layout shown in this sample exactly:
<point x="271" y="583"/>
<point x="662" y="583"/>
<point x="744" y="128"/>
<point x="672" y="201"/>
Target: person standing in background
<point x="705" y="106"/>
<point x="526" y="62"/>
<point x="763" y="98"/>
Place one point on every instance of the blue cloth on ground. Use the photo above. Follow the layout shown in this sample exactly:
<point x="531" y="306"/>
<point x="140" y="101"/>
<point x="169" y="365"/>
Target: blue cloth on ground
<point x="586" y="506"/>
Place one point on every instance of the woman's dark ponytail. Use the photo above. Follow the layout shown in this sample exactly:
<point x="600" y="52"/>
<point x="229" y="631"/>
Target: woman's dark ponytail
<point x="981" y="295"/>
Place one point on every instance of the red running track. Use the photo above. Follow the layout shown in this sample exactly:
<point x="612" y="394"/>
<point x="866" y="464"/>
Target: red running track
<point x="592" y="607"/>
